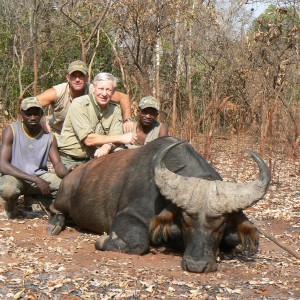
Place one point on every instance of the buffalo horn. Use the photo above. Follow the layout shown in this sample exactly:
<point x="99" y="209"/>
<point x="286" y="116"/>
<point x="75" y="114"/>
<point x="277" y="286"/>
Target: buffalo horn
<point x="215" y="197"/>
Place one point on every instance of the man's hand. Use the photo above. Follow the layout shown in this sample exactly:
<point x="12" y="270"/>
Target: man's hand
<point x="128" y="138"/>
<point x="128" y="126"/>
<point x="43" y="185"/>
<point x="103" y="150"/>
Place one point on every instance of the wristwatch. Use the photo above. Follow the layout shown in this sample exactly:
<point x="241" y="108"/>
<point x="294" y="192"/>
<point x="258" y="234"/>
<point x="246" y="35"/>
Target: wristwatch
<point x="127" y="120"/>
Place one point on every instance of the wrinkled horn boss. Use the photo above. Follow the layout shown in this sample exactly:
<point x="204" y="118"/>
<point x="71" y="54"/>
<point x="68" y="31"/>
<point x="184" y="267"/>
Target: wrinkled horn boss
<point x="217" y="196"/>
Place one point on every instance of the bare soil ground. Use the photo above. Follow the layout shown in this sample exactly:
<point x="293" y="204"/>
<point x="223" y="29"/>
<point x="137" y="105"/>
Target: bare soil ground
<point x="35" y="265"/>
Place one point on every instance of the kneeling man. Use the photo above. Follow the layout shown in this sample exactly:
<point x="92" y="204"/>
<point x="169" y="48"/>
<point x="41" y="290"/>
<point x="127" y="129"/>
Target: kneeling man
<point x="23" y="159"/>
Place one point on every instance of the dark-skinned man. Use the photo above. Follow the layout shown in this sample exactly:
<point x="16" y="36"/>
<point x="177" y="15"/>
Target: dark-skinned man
<point x="23" y="159"/>
<point x="147" y="128"/>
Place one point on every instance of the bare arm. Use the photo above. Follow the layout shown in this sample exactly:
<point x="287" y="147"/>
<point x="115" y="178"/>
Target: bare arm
<point x="59" y="168"/>
<point x="47" y="97"/>
<point x="163" y="129"/>
<point x="124" y="101"/>
<point x="8" y="169"/>
<point x="94" y="139"/>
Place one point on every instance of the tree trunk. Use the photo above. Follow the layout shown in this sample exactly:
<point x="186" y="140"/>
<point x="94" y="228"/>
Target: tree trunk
<point x="35" y="45"/>
<point x="156" y="91"/>
<point x="177" y="48"/>
<point x="263" y="125"/>
<point x="191" y="126"/>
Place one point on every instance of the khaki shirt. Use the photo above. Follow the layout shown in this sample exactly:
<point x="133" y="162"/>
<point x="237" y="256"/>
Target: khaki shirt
<point x="61" y="105"/>
<point x="81" y="120"/>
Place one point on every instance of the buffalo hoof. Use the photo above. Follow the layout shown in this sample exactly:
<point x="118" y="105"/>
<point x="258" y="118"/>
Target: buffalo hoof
<point x="56" y="224"/>
<point x="113" y="243"/>
<point x="100" y="242"/>
<point x="198" y="266"/>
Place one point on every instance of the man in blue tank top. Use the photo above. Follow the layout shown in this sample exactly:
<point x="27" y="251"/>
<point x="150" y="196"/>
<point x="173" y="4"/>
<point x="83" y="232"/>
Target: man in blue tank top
<point x="23" y="159"/>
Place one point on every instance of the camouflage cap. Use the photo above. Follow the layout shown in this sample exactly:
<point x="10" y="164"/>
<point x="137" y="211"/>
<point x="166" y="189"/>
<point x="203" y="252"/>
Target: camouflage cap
<point x="77" y="65"/>
<point x="149" y="101"/>
<point x="30" y="102"/>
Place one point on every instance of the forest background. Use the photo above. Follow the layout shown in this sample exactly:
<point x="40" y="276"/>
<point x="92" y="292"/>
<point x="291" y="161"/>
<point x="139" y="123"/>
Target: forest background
<point x="216" y="69"/>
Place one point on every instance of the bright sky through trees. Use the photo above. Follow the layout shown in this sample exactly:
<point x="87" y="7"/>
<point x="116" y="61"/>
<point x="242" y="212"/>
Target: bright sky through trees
<point x="258" y="8"/>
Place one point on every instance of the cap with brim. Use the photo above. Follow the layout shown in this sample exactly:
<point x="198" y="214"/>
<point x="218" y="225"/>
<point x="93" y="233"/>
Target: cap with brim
<point x="77" y="65"/>
<point x="29" y="103"/>
<point x="149" y="101"/>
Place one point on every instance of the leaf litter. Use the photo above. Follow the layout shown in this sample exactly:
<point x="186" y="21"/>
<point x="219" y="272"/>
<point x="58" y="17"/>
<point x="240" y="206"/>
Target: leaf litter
<point x="34" y="265"/>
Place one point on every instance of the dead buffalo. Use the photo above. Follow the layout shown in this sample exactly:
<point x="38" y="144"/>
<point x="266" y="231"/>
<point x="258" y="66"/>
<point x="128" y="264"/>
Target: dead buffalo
<point x="161" y="193"/>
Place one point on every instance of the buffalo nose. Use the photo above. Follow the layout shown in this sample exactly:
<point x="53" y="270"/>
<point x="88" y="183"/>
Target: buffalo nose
<point x="199" y="266"/>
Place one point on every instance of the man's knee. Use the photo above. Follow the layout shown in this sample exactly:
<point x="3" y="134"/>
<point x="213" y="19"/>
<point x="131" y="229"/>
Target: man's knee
<point x="70" y="163"/>
<point x="53" y="179"/>
<point x="9" y="188"/>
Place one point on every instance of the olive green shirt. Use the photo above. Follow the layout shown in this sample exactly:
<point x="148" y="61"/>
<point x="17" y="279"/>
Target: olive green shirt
<point x="81" y="120"/>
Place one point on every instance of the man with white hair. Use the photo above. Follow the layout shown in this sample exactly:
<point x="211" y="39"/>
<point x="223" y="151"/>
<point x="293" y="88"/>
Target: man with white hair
<point x="60" y="97"/>
<point x="93" y="125"/>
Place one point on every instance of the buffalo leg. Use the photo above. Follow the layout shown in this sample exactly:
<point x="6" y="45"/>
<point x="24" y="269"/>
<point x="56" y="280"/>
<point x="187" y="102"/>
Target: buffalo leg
<point x="128" y="235"/>
<point x="240" y="233"/>
<point x="165" y="228"/>
<point x="56" y="224"/>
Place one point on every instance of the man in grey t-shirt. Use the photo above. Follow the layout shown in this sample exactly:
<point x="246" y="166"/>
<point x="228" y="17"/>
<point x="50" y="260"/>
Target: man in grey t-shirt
<point x="23" y="159"/>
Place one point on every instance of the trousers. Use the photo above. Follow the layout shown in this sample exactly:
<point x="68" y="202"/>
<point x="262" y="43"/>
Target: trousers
<point x="11" y="188"/>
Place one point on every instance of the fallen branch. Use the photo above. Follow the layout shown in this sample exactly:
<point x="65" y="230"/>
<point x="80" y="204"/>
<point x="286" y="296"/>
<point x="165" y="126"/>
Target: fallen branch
<point x="44" y="208"/>
<point x="278" y="243"/>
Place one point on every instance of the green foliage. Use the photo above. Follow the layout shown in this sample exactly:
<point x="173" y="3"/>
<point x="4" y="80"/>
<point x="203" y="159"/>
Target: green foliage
<point x="104" y="59"/>
<point x="284" y="17"/>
